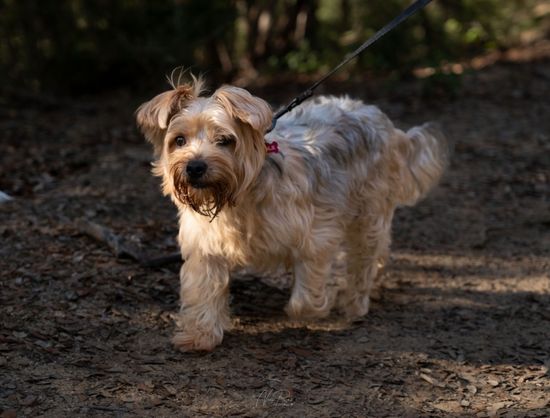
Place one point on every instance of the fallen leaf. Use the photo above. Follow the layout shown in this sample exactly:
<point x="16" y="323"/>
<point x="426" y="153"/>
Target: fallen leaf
<point x="493" y="409"/>
<point x="539" y="404"/>
<point x="432" y="381"/>
<point x="29" y="400"/>
<point x="300" y="351"/>
<point x="448" y="406"/>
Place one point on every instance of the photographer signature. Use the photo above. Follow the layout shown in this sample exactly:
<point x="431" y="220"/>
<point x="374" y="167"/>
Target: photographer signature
<point x="281" y="397"/>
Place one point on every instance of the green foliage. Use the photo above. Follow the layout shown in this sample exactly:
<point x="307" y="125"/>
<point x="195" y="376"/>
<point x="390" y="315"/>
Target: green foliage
<point x="81" y="45"/>
<point x="441" y="84"/>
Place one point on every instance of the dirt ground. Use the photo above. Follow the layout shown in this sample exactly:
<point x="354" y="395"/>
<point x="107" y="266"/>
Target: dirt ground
<point x="461" y="327"/>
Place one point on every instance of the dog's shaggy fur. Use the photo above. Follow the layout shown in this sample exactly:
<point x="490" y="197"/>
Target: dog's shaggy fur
<point x="332" y="188"/>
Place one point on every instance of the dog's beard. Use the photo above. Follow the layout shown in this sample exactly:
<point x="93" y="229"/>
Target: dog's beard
<point x="207" y="197"/>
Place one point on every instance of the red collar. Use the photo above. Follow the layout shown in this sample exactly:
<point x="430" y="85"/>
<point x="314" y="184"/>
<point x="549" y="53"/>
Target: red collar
<point x="272" y="147"/>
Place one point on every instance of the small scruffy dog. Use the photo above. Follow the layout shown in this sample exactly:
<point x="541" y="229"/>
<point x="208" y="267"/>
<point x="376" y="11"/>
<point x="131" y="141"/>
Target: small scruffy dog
<point x="324" y="182"/>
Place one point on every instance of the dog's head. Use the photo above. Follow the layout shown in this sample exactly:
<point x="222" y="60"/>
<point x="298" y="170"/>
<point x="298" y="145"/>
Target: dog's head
<point x="209" y="149"/>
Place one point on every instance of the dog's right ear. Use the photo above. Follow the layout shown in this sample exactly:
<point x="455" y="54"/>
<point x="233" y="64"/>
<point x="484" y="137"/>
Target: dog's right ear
<point x="153" y="117"/>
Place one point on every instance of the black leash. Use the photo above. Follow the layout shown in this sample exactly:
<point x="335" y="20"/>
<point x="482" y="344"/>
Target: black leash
<point x="412" y="9"/>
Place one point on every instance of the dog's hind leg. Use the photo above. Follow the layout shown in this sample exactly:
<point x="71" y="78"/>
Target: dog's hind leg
<point x="309" y="298"/>
<point x="368" y="242"/>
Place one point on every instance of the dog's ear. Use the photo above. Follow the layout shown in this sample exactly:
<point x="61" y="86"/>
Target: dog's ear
<point x="245" y="107"/>
<point x="153" y="117"/>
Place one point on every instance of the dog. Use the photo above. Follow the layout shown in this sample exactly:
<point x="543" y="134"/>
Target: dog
<point x="325" y="181"/>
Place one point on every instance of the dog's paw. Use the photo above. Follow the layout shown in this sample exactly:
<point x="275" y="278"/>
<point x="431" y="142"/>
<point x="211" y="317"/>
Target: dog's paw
<point x="298" y="309"/>
<point x="356" y="308"/>
<point x="197" y="340"/>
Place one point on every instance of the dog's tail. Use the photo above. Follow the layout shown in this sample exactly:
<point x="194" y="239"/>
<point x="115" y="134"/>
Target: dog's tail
<point x="419" y="158"/>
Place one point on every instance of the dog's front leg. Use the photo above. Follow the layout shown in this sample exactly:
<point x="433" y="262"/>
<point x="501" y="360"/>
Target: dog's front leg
<point x="204" y="312"/>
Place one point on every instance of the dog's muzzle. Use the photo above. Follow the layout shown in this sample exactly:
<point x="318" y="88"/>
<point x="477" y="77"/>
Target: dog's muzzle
<point x="195" y="170"/>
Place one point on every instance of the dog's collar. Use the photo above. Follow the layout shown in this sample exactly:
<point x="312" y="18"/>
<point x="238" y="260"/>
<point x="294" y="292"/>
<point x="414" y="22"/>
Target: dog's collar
<point x="272" y="147"/>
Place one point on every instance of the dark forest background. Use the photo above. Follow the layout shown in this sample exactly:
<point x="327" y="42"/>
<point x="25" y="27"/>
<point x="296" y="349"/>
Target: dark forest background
<point x="82" y="46"/>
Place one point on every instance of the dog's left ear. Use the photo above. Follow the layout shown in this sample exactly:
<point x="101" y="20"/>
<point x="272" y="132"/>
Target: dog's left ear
<point x="153" y="117"/>
<point x="243" y="106"/>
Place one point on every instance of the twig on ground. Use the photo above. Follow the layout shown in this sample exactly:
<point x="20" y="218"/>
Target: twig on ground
<point x="120" y="248"/>
<point x="107" y="408"/>
<point x="108" y="237"/>
<point x="162" y="260"/>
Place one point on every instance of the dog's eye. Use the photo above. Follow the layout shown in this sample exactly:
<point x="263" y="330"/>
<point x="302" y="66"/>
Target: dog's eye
<point x="225" y="140"/>
<point x="180" y="140"/>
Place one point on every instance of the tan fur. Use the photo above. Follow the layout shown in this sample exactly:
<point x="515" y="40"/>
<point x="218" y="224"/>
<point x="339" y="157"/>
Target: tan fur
<point x="329" y="193"/>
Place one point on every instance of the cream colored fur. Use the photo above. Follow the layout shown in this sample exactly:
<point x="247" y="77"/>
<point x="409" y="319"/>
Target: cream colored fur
<point x="332" y="189"/>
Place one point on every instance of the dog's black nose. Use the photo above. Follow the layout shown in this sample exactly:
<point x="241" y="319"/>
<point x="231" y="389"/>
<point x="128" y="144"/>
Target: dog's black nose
<point x="196" y="168"/>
